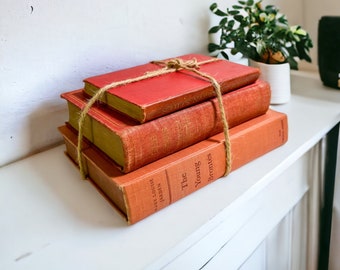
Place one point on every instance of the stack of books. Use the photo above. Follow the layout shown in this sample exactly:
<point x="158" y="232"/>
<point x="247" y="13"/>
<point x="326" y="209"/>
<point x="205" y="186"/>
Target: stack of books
<point x="149" y="143"/>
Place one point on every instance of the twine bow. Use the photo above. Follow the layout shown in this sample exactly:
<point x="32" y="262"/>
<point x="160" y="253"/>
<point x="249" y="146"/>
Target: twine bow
<point x="171" y="65"/>
<point x="178" y="63"/>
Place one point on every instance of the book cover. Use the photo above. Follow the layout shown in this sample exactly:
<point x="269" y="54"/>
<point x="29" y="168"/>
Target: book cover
<point x="149" y="189"/>
<point x="132" y="145"/>
<point x="149" y="99"/>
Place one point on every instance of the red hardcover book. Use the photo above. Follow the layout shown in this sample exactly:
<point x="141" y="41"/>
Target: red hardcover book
<point x="149" y="99"/>
<point x="149" y="189"/>
<point x="132" y="145"/>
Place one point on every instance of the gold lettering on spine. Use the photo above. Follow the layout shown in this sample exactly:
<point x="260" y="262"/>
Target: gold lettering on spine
<point x="184" y="182"/>
<point x="153" y="194"/>
<point x="160" y="192"/>
<point x="210" y="167"/>
<point x="198" y="180"/>
<point x="157" y="194"/>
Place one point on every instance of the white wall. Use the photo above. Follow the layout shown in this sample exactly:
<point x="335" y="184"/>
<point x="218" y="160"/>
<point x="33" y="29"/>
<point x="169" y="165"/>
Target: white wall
<point x="48" y="47"/>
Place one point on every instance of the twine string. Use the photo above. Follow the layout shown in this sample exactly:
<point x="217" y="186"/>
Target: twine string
<point x="168" y="67"/>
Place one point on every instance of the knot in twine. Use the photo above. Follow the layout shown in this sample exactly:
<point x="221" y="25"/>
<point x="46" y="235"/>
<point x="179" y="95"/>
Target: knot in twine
<point x="178" y="63"/>
<point x="171" y="65"/>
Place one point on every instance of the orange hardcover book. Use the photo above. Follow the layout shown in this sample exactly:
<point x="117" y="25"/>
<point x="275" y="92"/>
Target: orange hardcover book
<point x="151" y="98"/>
<point x="132" y="145"/>
<point x="149" y="189"/>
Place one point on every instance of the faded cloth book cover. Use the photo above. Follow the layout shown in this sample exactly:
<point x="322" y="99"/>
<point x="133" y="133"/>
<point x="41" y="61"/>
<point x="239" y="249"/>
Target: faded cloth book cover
<point x="149" y="189"/>
<point x="132" y="145"/>
<point x="151" y="98"/>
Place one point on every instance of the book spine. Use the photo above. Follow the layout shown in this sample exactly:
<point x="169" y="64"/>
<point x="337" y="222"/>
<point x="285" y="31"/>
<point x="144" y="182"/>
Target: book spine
<point x="157" y="185"/>
<point x="143" y="144"/>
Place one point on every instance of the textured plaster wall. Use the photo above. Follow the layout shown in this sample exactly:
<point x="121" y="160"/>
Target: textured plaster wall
<point x="48" y="47"/>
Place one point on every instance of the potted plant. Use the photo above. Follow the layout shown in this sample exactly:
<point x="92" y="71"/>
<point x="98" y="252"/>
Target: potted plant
<point x="262" y="35"/>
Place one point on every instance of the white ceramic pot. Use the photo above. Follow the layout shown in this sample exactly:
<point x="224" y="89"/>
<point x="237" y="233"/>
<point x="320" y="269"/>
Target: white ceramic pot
<point x="278" y="76"/>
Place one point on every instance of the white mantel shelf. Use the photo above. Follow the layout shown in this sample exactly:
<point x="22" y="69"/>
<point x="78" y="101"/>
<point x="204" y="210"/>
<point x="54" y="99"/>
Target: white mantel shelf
<point x="50" y="219"/>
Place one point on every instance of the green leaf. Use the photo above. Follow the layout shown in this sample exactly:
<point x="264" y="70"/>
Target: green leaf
<point x="213" y="7"/>
<point x="301" y="32"/>
<point x="303" y="52"/>
<point x="271" y="9"/>
<point x="238" y="18"/>
<point x="233" y="12"/>
<point x="231" y="24"/>
<point x="223" y="21"/>
<point x="293" y="64"/>
<point x="237" y="7"/>
<point x="225" y="55"/>
<point x="220" y="13"/>
<point x="260" y="47"/>
<point x="285" y="52"/>
<point x="213" y="47"/>
<point x="214" y="29"/>
<point x="250" y="2"/>
<point x="282" y="19"/>
<point x="234" y="51"/>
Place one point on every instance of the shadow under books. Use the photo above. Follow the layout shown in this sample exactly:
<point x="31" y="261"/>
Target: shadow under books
<point x="79" y="196"/>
